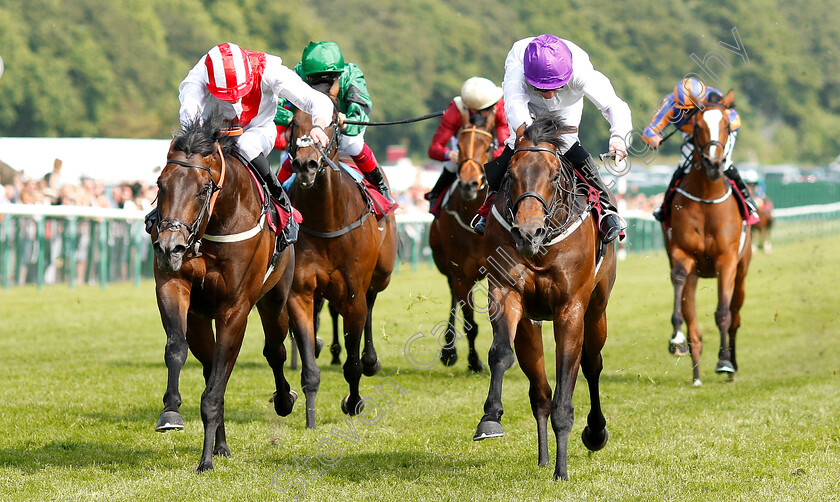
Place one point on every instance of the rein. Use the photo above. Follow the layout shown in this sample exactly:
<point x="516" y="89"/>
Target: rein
<point x="555" y="233"/>
<point x="395" y="122"/>
<point x="212" y="187"/>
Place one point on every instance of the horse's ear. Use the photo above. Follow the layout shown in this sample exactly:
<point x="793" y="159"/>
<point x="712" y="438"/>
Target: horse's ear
<point x="728" y="100"/>
<point x="520" y="133"/>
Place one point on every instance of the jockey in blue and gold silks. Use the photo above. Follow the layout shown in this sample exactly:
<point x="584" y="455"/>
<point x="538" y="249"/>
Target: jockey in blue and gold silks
<point x="677" y="108"/>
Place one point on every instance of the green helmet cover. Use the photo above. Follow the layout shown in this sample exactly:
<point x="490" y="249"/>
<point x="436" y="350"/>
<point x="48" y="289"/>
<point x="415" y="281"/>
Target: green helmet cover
<point x="322" y="57"/>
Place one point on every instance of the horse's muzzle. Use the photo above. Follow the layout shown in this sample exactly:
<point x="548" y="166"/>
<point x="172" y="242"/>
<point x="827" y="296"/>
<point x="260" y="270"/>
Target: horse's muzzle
<point x="307" y="172"/>
<point x="469" y="191"/>
<point x="170" y="249"/>
<point x="529" y="237"/>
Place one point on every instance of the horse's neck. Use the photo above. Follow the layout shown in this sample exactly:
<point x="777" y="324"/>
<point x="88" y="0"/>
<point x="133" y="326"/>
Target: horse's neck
<point x="697" y="183"/>
<point x="238" y="190"/>
<point x="331" y="202"/>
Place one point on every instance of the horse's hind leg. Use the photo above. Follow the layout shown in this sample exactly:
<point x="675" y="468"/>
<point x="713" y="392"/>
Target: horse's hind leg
<point x="695" y="337"/>
<point x="173" y="303"/>
<point x="463" y="292"/>
<point x="370" y="361"/>
<point x="335" y="348"/>
<point x="529" y="352"/>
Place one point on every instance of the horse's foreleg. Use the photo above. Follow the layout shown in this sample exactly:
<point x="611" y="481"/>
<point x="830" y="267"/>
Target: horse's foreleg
<point x="230" y="328"/>
<point x="695" y="337"/>
<point x="370" y="361"/>
<point x="568" y="335"/>
<point x="173" y="302"/>
<point x="275" y="322"/>
<point x="505" y="314"/>
<point x="529" y="353"/>
<point x="723" y="316"/>
<point x="679" y="272"/>
<point x="448" y="353"/>
<point x="735" y="308"/>
<point x="335" y="348"/>
<point x="355" y="317"/>
<point x="300" y="317"/>
<point x="595" y="434"/>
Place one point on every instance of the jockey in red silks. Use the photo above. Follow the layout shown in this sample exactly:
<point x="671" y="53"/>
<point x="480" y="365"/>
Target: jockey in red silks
<point x="479" y="99"/>
<point x="676" y="109"/>
<point x="245" y="86"/>
<point x="324" y="62"/>
<point x="546" y="74"/>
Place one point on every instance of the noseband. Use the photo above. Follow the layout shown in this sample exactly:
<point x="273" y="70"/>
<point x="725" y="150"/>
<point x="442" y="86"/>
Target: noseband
<point x="210" y="191"/>
<point x="470" y="158"/>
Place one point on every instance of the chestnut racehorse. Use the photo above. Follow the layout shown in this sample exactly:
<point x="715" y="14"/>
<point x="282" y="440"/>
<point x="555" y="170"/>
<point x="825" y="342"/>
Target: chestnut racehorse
<point x="457" y="250"/>
<point x="558" y="271"/>
<point x="343" y="254"/>
<point x="213" y="263"/>
<point x="707" y="238"/>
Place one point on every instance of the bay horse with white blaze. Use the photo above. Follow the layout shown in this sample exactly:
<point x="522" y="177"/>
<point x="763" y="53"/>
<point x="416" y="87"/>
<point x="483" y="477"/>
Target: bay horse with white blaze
<point x="343" y="254"/>
<point x="707" y="238"/>
<point x="214" y="260"/>
<point x="558" y="271"/>
<point x="457" y="250"/>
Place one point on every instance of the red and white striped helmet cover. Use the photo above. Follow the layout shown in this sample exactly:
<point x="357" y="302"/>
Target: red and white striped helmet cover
<point x="229" y="75"/>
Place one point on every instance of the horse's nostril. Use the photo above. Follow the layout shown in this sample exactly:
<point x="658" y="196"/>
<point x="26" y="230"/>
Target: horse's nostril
<point x="158" y="248"/>
<point x="179" y="250"/>
<point x="474" y="185"/>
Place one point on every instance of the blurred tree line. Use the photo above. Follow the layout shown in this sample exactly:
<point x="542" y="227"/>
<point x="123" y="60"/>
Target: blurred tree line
<point x="111" y="68"/>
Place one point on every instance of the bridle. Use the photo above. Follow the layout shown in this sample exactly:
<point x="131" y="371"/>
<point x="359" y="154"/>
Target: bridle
<point x="702" y="149"/>
<point x="470" y="155"/>
<point x="551" y="208"/>
<point x="324" y="155"/>
<point x="210" y="191"/>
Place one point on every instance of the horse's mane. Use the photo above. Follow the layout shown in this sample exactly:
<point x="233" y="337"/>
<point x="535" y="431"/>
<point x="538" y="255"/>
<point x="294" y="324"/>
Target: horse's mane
<point x="199" y="136"/>
<point x="545" y="129"/>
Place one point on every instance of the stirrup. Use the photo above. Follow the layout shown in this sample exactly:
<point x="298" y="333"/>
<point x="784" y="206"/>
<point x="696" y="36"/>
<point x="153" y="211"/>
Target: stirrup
<point x="479" y="224"/>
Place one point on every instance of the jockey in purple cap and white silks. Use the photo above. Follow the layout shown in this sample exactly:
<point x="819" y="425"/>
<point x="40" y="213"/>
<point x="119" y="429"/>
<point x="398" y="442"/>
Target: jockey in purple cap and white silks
<point x="244" y="86"/>
<point x="546" y="74"/>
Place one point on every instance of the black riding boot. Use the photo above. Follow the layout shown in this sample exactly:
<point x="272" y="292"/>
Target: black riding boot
<point x="611" y="223"/>
<point x="735" y="176"/>
<point x="151" y="220"/>
<point x="278" y="193"/>
<point x="495" y="171"/>
<point x="444" y="180"/>
<point x="661" y="213"/>
<point x="376" y="179"/>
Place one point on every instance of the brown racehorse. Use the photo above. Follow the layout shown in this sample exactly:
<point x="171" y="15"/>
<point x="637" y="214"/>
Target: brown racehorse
<point x="558" y="271"/>
<point x="343" y="254"/>
<point x="213" y="263"/>
<point x="457" y="250"/>
<point x="707" y="238"/>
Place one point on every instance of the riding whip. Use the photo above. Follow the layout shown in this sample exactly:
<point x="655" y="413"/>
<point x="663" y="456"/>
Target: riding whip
<point x="395" y="122"/>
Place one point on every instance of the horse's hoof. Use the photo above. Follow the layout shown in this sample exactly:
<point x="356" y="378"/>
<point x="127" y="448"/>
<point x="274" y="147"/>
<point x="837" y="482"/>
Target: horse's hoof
<point x="488" y="429"/>
<point x="677" y="345"/>
<point x="205" y="466"/>
<point x="319" y="344"/>
<point x="283" y="412"/>
<point x="593" y="441"/>
<point x="724" y="366"/>
<point x="371" y="369"/>
<point x="221" y="451"/>
<point x="170" y="421"/>
<point x="475" y="365"/>
<point x="560" y="476"/>
<point x="697" y="382"/>
<point x="352" y="412"/>
<point x="448" y="357"/>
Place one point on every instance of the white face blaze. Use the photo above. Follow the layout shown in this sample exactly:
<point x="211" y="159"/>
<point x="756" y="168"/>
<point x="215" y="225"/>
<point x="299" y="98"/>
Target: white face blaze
<point x="713" y="118"/>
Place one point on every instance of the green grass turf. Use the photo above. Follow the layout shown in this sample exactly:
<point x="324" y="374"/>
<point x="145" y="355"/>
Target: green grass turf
<point x="83" y="377"/>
